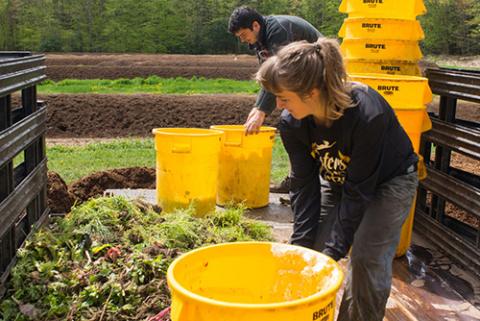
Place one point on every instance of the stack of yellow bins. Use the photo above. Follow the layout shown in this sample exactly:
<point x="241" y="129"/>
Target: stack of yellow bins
<point x="381" y="49"/>
<point x="382" y="36"/>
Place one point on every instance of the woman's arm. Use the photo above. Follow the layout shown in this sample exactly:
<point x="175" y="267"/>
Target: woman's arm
<point x="305" y="182"/>
<point x="360" y="184"/>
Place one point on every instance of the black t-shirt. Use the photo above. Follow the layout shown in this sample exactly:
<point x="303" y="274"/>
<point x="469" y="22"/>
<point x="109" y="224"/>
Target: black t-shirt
<point x="361" y="150"/>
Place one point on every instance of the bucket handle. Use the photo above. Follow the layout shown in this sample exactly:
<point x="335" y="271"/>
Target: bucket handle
<point x="181" y="148"/>
<point x="427" y="122"/>
<point x="233" y="139"/>
<point x="420" y="8"/>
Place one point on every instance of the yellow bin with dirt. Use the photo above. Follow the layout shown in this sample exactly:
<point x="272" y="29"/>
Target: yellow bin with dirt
<point x="381" y="49"/>
<point x="187" y="161"/>
<point x="245" y="164"/>
<point x="408" y="97"/>
<point x="388" y="67"/>
<point x="394" y="9"/>
<point x="371" y="28"/>
<point x="253" y="281"/>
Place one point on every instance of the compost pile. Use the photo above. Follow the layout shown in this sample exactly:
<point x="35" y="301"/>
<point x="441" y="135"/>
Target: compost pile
<point x="107" y="260"/>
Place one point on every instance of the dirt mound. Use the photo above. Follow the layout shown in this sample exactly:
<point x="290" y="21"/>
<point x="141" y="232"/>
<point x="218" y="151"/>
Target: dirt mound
<point x="96" y="183"/>
<point x="113" y="66"/>
<point x="103" y="116"/>
<point x="59" y="199"/>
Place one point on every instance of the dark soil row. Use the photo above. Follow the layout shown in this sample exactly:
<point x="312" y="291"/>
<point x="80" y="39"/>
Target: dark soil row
<point x="136" y="115"/>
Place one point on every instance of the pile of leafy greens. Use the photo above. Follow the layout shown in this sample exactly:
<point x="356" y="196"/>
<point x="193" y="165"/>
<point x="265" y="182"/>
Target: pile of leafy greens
<point x="107" y="260"/>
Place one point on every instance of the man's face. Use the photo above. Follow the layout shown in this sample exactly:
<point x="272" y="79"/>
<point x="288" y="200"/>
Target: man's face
<point x="247" y="35"/>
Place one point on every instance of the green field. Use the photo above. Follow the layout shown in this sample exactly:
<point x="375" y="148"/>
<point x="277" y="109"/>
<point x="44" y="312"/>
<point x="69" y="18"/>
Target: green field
<point x="150" y="85"/>
<point x="74" y="162"/>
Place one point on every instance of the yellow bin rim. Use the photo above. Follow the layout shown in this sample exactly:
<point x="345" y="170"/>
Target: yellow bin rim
<point x="186" y="293"/>
<point x="427" y="92"/>
<point x="355" y="9"/>
<point x="186" y="132"/>
<point x="263" y="129"/>
<point x="380" y="61"/>
<point x="402" y="78"/>
<point x="414" y="23"/>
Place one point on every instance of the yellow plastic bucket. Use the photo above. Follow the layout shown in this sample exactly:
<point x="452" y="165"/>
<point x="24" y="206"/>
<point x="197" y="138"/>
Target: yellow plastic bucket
<point x="394" y="9"/>
<point x="368" y="28"/>
<point x="253" y="281"/>
<point x="187" y="168"/>
<point x="401" y="92"/>
<point x="381" y="49"/>
<point x="245" y="164"/>
<point x="388" y="67"/>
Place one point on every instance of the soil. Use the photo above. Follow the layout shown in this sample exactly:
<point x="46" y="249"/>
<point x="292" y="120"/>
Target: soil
<point x="59" y="198"/>
<point x="113" y="66"/>
<point x="78" y="118"/>
<point x="95" y="184"/>
<point x="62" y="197"/>
<point x="103" y="116"/>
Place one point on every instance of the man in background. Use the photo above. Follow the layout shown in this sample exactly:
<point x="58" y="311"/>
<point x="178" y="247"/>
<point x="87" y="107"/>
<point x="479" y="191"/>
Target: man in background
<point x="266" y="35"/>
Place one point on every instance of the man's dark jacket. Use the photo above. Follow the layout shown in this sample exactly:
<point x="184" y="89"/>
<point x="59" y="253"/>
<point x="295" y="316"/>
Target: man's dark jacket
<point x="277" y="32"/>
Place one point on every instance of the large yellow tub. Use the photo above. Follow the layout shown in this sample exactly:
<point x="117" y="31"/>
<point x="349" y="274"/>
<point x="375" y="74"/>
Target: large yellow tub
<point x="394" y="9"/>
<point x="387" y="67"/>
<point x="187" y="168"/>
<point x="253" y="281"/>
<point x="401" y="92"/>
<point x="381" y="49"/>
<point x="370" y="28"/>
<point x="245" y="163"/>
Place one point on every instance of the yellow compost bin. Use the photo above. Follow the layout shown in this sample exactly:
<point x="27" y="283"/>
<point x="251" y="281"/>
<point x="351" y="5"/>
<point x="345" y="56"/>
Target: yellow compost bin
<point x="253" y="281"/>
<point x="245" y="164"/>
<point x="389" y="67"/>
<point x="381" y="49"/>
<point x="401" y="92"/>
<point x="368" y="28"/>
<point x="408" y="96"/>
<point x="187" y="168"/>
<point x="395" y="9"/>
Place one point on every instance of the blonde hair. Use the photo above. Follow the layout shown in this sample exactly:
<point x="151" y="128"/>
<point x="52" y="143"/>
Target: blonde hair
<point x="301" y="67"/>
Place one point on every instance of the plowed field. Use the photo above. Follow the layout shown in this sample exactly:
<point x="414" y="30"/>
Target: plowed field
<point x="112" y="66"/>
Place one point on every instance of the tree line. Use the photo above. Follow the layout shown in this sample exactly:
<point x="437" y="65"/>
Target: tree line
<point x="197" y="26"/>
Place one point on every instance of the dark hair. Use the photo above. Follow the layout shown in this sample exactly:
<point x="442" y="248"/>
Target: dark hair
<point x="242" y="18"/>
<point x="301" y="66"/>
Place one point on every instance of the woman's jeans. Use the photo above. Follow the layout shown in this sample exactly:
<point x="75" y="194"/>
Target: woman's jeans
<point x="369" y="275"/>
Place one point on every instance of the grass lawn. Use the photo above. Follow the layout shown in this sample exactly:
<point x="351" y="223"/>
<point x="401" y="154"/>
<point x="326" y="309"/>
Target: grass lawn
<point x="150" y="85"/>
<point x="74" y="162"/>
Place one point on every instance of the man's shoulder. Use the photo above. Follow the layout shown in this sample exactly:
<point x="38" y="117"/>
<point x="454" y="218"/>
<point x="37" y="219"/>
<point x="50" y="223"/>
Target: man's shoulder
<point x="281" y="20"/>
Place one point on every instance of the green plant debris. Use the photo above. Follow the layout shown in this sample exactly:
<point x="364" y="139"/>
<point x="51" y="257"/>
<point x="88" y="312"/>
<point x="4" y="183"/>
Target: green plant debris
<point x="107" y="260"/>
